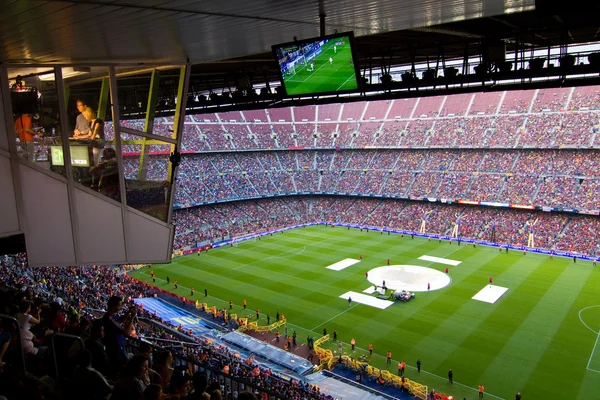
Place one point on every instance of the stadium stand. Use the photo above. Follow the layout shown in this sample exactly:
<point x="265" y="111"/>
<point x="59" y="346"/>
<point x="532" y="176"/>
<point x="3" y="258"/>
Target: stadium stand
<point x="529" y="149"/>
<point x="74" y="316"/>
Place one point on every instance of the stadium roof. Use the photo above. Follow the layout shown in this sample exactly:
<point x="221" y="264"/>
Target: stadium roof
<point x="207" y="30"/>
<point x="228" y="41"/>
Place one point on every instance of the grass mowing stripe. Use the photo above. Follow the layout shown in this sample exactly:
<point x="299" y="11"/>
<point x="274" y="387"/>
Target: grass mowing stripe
<point x="563" y="347"/>
<point x="455" y="319"/>
<point x="537" y="330"/>
<point x="486" y="327"/>
<point x="457" y="331"/>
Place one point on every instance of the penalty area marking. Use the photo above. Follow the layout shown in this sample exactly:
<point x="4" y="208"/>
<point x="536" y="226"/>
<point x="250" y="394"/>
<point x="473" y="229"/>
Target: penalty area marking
<point x="345" y="263"/>
<point x="439" y="260"/>
<point x="595" y="343"/>
<point x="490" y="293"/>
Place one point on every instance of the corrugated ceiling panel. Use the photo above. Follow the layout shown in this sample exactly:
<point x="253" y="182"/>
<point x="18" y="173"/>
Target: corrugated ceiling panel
<point x="158" y="30"/>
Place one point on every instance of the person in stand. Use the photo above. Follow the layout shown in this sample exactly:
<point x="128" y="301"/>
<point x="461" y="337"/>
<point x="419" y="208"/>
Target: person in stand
<point x="450" y="375"/>
<point x="97" y="348"/>
<point x="418" y="365"/>
<point x="115" y="331"/>
<point x="24" y="129"/>
<point x="105" y="174"/>
<point x="82" y="126"/>
<point x="96" y="133"/>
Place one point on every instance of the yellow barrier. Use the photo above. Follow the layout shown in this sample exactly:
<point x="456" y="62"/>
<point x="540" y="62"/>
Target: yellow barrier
<point x="272" y="327"/>
<point x="327" y="360"/>
<point x="254" y="327"/>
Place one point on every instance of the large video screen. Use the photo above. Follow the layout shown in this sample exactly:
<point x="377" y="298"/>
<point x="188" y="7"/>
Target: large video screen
<point x="318" y="66"/>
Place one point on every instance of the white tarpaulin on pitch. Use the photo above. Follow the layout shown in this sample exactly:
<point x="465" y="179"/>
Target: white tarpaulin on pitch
<point x="345" y="263"/>
<point x="490" y="293"/>
<point x="367" y="300"/>
<point x="440" y="260"/>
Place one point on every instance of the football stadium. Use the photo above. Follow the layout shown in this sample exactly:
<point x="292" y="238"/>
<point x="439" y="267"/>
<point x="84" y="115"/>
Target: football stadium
<point x="196" y="206"/>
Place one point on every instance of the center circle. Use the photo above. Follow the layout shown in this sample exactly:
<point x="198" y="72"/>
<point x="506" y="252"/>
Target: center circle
<point x="411" y="278"/>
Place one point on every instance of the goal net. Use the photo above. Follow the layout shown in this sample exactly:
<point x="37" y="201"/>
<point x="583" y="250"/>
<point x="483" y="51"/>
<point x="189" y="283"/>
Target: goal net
<point x="236" y="241"/>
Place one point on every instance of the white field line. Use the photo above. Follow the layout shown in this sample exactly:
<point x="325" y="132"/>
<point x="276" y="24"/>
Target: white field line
<point x="334" y="317"/>
<point x="351" y="76"/>
<point x="275" y="256"/>
<point x="581" y="319"/>
<point x="592" y="355"/>
<point x="445" y="379"/>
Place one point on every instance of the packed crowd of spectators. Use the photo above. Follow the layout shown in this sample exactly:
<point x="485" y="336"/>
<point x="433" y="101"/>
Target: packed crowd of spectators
<point x="213" y="223"/>
<point x="555" y="178"/>
<point x="542" y="119"/>
<point x="53" y="300"/>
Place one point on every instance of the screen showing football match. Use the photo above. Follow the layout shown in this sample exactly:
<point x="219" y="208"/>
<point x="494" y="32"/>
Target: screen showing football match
<point x="322" y="65"/>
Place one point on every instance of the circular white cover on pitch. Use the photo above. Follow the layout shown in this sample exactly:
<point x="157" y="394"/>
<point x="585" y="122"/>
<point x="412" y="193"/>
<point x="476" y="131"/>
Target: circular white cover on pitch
<point x="408" y="277"/>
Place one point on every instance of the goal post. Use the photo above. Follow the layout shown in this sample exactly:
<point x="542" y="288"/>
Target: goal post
<point x="241" y="239"/>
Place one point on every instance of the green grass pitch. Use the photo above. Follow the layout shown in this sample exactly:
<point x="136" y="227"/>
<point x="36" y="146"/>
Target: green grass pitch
<point x="539" y="338"/>
<point x="339" y="75"/>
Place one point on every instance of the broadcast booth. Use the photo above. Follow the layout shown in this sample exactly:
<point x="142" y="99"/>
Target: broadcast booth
<point x="75" y="177"/>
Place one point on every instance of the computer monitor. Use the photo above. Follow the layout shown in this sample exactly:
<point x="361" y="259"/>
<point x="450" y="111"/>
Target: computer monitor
<point x="80" y="156"/>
